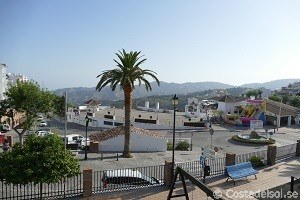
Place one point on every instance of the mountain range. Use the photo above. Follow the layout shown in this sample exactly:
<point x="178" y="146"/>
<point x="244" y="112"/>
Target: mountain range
<point x="78" y="95"/>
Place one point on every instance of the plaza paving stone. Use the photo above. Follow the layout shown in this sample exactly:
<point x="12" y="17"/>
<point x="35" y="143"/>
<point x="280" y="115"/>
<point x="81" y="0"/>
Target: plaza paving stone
<point x="267" y="178"/>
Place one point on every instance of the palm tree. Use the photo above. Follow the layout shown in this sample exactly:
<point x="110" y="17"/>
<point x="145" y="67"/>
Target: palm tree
<point x="127" y="72"/>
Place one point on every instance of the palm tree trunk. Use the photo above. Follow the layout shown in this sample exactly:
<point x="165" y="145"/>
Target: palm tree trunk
<point x="127" y="103"/>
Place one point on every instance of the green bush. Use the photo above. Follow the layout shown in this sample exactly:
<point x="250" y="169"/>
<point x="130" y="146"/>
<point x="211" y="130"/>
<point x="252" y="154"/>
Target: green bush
<point x="170" y="146"/>
<point x="238" y="139"/>
<point x="257" y="161"/>
<point x="182" y="146"/>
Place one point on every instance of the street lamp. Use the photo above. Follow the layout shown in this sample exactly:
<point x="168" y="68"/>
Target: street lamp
<point x="87" y="119"/>
<point x="175" y="103"/>
<point x="211" y="132"/>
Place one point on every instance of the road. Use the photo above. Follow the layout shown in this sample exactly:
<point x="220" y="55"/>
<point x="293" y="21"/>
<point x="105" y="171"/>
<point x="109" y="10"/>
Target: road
<point x="220" y="139"/>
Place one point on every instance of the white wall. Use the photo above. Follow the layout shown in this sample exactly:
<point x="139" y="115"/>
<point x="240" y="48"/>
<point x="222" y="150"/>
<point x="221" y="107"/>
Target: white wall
<point x="96" y="122"/>
<point x="226" y="107"/>
<point x="3" y="80"/>
<point x="139" y="143"/>
<point x="221" y="106"/>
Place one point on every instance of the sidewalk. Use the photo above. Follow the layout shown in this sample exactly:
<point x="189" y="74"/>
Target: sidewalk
<point x="267" y="178"/>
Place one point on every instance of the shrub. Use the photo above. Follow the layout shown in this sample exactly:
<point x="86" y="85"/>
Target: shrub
<point x="251" y="141"/>
<point x="182" y="146"/>
<point x="170" y="146"/>
<point x="257" y="161"/>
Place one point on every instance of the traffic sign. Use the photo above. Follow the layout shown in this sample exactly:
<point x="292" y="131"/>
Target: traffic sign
<point x="211" y="131"/>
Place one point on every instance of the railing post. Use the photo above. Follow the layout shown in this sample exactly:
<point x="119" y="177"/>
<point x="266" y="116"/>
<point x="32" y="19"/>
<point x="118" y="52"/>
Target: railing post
<point x="230" y="159"/>
<point x="298" y="148"/>
<point x="87" y="182"/>
<point x="94" y="147"/>
<point x="10" y="140"/>
<point x="271" y="155"/>
<point x="292" y="184"/>
<point x="168" y="173"/>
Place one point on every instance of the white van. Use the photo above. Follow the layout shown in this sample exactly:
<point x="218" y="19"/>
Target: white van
<point x="77" y="138"/>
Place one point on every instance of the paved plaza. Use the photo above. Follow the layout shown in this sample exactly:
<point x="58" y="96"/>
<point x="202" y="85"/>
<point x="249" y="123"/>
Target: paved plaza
<point x="267" y="178"/>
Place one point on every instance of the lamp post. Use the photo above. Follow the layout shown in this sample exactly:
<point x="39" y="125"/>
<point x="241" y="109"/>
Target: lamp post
<point x="66" y="121"/>
<point x="211" y="132"/>
<point x="85" y="146"/>
<point x="175" y="103"/>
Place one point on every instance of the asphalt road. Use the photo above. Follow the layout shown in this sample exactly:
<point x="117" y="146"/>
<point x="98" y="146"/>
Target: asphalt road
<point x="220" y="139"/>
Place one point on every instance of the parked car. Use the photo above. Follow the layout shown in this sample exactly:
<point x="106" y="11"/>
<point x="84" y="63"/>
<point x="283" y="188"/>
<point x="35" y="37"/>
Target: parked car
<point x="43" y="132"/>
<point x="42" y="123"/>
<point x="40" y="117"/>
<point x="77" y="139"/>
<point x="4" y="127"/>
<point x="127" y="177"/>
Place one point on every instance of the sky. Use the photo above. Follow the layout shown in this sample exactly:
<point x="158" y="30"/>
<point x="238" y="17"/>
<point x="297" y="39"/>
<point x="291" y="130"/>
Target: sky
<point x="67" y="43"/>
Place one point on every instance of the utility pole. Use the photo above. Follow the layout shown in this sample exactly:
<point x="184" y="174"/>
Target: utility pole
<point x="66" y="109"/>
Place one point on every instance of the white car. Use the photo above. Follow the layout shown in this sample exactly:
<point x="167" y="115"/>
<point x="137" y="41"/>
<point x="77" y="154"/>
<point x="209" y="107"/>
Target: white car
<point x="43" y="132"/>
<point x="123" y="177"/>
<point x="77" y="139"/>
<point x="5" y="127"/>
<point x="43" y="123"/>
<point x="40" y="117"/>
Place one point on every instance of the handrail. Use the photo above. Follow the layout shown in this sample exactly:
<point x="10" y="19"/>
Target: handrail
<point x="293" y="179"/>
<point x="183" y="174"/>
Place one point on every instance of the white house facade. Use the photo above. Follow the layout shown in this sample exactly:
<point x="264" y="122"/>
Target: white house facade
<point x="3" y="80"/>
<point x="142" y="140"/>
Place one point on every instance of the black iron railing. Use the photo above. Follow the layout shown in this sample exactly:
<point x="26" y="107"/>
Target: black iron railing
<point x="68" y="187"/>
<point x="294" y="181"/>
<point x="129" y="178"/>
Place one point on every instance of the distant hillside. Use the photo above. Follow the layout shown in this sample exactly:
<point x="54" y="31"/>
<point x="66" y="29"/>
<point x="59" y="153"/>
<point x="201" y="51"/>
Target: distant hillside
<point x="165" y="100"/>
<point x="79" y="95"/>
<point x="271" y="85"/>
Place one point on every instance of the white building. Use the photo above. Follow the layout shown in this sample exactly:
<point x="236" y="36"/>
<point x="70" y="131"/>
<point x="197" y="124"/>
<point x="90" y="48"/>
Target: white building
<point x="142" y="140"/>
<point x="13" y="78"/>
<point x="8" y="78"/>
<point x="196" y="108"/>
<point x="226" y="104"/>
<point x="3" y="80"/>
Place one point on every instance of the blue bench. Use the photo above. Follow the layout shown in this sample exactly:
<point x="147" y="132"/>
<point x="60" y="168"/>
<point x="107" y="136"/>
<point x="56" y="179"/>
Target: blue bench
<point x="240" y="171"/>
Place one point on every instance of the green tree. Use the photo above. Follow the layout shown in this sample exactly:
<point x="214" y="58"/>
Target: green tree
<point x="285" y="98"/>
<point x="28" y="98"/>
<point x="3" y="109"/>
<point x="295" y="101"/>
<point x="127" y="72"/>
<point x="259" y="93"/>
<point x="275" y="98"/>
<point x="40" y="160"/>
<point x="252" y="93"/>
<point x="59" y="106"/>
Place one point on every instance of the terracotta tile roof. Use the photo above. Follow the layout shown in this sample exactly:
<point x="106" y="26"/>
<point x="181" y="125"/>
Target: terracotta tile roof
<point x="118" y="131"/>
<point x="92" y="102"/>
<point x="286" y="110"/>
<point x="227" y="99"/>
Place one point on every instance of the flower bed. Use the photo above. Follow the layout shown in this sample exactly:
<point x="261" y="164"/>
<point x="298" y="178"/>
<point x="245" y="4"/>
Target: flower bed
<point x="247" y="139"/>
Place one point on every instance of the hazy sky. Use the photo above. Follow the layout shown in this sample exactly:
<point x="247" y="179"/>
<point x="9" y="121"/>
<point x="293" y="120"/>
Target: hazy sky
<point x="67" y="43"/>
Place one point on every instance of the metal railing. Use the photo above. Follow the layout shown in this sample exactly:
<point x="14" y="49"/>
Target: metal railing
<point x="246" y="156"/>
<point x="294" y="181"/>
<point x="69" y="187"/>
<point x="217" y="167"/>
<point x="284" y="153"/>
<point x="129" y="178"/>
